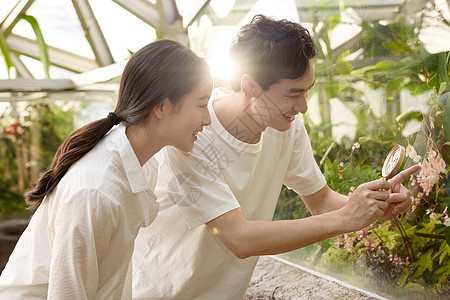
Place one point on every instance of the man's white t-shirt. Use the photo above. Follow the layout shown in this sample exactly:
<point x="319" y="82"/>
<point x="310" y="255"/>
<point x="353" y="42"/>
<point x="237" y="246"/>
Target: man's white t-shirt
<point x="79" y="242"/>
<point x="177" y="256"/>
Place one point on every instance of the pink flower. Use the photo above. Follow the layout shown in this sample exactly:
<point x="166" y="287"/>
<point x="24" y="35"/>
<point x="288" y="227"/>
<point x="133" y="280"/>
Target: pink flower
<point x="432" y="153"/>
<point x="446" y="221"/>
<point x="412" y="180"/>
<point x="430" y="171"/>
<point x="356" y="146"/>
<point x="446" y="218"/>
<point x="411" y="152"/>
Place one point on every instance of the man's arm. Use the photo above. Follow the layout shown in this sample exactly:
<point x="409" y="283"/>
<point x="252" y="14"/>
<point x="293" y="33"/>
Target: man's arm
<point x="248" y="238"/>
<point x="324" y="201"/>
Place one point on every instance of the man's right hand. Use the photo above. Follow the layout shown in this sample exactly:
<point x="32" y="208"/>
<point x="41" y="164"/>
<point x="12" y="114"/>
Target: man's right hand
<point x="369" y="201"/>
<point x="366" y="204"/>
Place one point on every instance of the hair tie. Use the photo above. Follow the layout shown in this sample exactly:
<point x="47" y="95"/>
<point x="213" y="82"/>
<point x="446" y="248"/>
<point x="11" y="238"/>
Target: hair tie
<point x="113" y="118"/>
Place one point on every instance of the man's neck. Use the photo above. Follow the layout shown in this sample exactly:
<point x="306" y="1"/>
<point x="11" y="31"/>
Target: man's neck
<point x="234" y="115"/>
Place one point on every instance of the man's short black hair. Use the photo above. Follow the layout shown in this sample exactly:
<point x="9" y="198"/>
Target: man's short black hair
<point x="270" y="50"/>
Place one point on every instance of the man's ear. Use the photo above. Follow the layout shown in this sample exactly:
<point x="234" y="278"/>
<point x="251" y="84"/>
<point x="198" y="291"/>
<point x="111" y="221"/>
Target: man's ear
<point x="249" y="86"/>
<point x="161" y="110"/>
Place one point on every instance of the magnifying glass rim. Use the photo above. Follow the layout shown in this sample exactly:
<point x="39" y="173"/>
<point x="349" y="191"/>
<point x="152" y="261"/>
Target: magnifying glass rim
<point x="398" y="164"/>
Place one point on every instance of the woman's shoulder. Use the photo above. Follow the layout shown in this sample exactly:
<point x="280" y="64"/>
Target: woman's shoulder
<point x="100" y="174"/>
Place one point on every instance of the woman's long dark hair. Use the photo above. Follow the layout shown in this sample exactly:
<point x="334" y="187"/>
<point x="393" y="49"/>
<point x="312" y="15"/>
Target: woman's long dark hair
<point x="162" y="69"/>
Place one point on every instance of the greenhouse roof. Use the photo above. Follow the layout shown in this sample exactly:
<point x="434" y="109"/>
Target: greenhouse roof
<point x="88" y="41"/>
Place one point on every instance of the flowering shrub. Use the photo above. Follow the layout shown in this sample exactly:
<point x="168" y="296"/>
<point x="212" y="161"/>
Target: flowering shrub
<point x="411" y="252"/>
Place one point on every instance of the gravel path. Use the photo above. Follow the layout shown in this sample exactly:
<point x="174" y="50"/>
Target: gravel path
<point x="274" y="279"/>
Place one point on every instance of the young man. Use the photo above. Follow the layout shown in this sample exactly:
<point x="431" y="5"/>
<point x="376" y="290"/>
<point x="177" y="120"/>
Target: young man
<point x="217" y="202"/>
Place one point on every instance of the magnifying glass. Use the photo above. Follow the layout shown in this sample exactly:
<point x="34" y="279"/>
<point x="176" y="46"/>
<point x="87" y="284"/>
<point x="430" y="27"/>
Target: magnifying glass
<point x="394" y="162"/>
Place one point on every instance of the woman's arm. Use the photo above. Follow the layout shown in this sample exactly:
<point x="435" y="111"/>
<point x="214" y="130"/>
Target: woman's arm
<point x="83" y="227"/>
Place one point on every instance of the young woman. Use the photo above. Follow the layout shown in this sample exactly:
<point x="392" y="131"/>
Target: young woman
<point x="95" y="197"/>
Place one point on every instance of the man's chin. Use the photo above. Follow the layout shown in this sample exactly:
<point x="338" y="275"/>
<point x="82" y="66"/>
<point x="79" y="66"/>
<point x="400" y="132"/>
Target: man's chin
<point x="281" y="128"/>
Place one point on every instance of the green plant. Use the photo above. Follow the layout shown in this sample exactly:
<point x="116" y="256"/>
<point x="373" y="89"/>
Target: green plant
<point x="43" y="51"/>
<point x="28" y="141"/>
<point x="409" y="256"/>
<point x="42" y="46"/>
<point x="413" y="253"/>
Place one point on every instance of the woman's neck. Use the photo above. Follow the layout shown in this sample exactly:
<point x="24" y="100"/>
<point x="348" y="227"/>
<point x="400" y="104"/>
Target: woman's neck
<point x="145" y="142"/>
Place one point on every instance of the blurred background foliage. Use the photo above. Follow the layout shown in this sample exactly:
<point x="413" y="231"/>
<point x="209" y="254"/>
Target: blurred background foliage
<point x="28" y="142"/>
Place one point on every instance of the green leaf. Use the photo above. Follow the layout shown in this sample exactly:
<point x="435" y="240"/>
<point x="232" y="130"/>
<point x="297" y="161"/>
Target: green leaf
<point x="362" y="72"/>
<point x="424" y="262"/>
<point x="333" y="21"/>
<point x="387" y="64"/>
<point x="442" y="71"/>
<point x="443" y="272"/>
<point x="41" y="43"/>
<point x="432" y="80"/>
<point x="444" y="251"/>
<point x="411" y="286"/>
<point x="447" y="235"/>
<point x="446" y="125"/>
<point x="430" y="225"/>
<point x="342" y="66"/>
<point x="397" y="48"/>
<point x="4" y="50"/>
<point x="442" y="88"/>
<point x="393" y="85"/>
<point x="409" y="115"/>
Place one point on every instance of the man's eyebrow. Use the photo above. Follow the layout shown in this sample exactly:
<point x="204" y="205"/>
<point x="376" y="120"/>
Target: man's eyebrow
<point x="296" y="90"/>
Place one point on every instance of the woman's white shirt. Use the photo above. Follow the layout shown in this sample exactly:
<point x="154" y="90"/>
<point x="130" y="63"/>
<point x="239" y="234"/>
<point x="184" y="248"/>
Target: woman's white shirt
<point x="79" y="242"/>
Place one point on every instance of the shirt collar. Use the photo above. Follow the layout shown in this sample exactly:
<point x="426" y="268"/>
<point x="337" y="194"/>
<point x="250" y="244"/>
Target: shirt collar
<point x="132" y="167"/>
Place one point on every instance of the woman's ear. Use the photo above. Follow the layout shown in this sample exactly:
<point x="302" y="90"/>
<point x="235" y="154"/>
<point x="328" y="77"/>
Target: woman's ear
<point x="161" y="110"/>
<point x="249" y="86"/>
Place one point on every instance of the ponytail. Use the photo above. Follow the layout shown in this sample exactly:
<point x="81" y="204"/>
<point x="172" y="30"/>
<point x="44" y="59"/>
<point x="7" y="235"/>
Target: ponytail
<point x="79" y="142"/>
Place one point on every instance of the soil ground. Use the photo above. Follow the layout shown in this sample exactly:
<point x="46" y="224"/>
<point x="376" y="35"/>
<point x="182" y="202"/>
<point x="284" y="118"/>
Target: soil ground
<point x="274" y="279"/>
